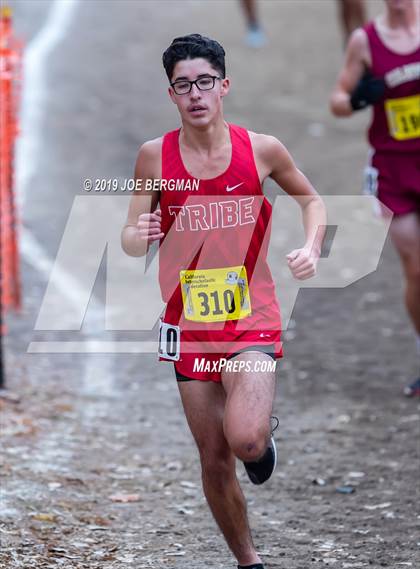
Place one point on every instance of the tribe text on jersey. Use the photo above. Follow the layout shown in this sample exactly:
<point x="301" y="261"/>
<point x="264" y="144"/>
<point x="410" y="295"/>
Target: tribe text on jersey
<point x="212" y="215"/>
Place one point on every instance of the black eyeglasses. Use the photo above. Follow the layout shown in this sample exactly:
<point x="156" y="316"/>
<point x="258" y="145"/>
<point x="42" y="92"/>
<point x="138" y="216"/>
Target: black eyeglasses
<point x="183" y="86"/>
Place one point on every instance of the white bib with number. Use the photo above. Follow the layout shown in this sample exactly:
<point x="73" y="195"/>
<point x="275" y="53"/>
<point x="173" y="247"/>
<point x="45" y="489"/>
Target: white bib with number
<point x="169" y="341"/>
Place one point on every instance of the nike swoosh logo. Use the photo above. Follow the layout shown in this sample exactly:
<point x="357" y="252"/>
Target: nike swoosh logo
<point x="230" y="189"/>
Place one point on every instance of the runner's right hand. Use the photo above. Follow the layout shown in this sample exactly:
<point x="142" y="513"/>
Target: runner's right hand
<point x="149" y="226"/>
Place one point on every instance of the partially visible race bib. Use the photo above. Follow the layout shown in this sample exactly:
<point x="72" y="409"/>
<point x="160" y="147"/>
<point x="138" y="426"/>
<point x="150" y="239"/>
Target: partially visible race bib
<point x="169" y="341"/>
<point x="403" y="116"/>
<point x="370" y="183"/>
<point x="215" y="295"/>
<point x="370" y="187"/>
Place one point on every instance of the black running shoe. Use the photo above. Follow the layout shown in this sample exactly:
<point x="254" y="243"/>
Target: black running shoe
<point x="413" y="390"/>
<point x="261" y="470"/>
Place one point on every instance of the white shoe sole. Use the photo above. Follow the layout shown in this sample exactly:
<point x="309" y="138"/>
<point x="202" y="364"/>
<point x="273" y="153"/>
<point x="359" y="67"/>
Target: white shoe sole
<point x="273" y="442"/>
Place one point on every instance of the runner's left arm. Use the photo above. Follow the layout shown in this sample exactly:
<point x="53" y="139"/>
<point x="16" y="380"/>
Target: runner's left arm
<point x="303" y="261"/>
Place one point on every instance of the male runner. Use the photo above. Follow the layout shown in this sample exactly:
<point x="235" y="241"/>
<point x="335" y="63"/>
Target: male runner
<point x="221" y="308"/>
<point x="382" y="68"/>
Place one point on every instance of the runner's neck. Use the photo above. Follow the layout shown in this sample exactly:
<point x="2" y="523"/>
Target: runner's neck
<point x="407" y="20"/>
<point x="399" y="36"/>
<point x="204" y="141"/>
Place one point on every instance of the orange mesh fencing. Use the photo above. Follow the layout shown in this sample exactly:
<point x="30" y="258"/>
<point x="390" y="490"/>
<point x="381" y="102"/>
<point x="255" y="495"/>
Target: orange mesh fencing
<point x="10" y="84"/>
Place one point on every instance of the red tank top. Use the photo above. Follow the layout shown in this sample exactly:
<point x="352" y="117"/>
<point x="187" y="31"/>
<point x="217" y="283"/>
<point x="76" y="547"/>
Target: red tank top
<point x="395" y="125"/>
<point x="216" y="223"/>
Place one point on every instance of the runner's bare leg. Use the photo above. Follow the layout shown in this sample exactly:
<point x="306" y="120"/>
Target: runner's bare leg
<point x="250" y="10"/>
<point x="204" y="404"/>
<point x="249" y="407"/>
<point x="352" y="16"/>
<point x="405" y="234"/>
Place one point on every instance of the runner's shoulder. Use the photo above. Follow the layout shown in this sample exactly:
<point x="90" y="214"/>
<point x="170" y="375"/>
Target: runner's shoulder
<point x="358" y="45"/>
<point x="267" y="147"/>
<point x="149" y="158"/>
<point x="151" y="149"/>
<point x="358" y="38"/>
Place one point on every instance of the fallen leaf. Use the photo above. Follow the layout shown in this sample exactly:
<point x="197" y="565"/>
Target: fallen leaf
<point x="44" y="517"/>
<point x="124" y="498"/>
<point x="99" y="521"/>
<point x="63" y="408"/>
<point x="72" y="480"/>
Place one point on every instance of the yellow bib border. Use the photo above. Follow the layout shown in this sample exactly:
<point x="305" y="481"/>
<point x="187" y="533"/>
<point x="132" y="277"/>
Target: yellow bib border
<point x="215" y="295"/>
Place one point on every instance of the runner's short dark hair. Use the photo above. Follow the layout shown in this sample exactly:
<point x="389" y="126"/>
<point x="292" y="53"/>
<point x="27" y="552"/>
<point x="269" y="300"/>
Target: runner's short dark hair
<point x="190" y="47"/>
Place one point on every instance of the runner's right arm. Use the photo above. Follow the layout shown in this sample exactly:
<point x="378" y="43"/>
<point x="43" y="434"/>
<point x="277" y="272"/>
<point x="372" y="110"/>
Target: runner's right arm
<point x="143" y="225"/>
<point x="357" y="61"/>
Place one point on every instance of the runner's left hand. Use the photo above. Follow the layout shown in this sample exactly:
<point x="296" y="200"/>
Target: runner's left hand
<point x="302" y="263"/>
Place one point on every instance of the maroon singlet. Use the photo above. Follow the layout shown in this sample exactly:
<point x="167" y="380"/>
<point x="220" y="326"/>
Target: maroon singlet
<point x="402" y="74"/>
